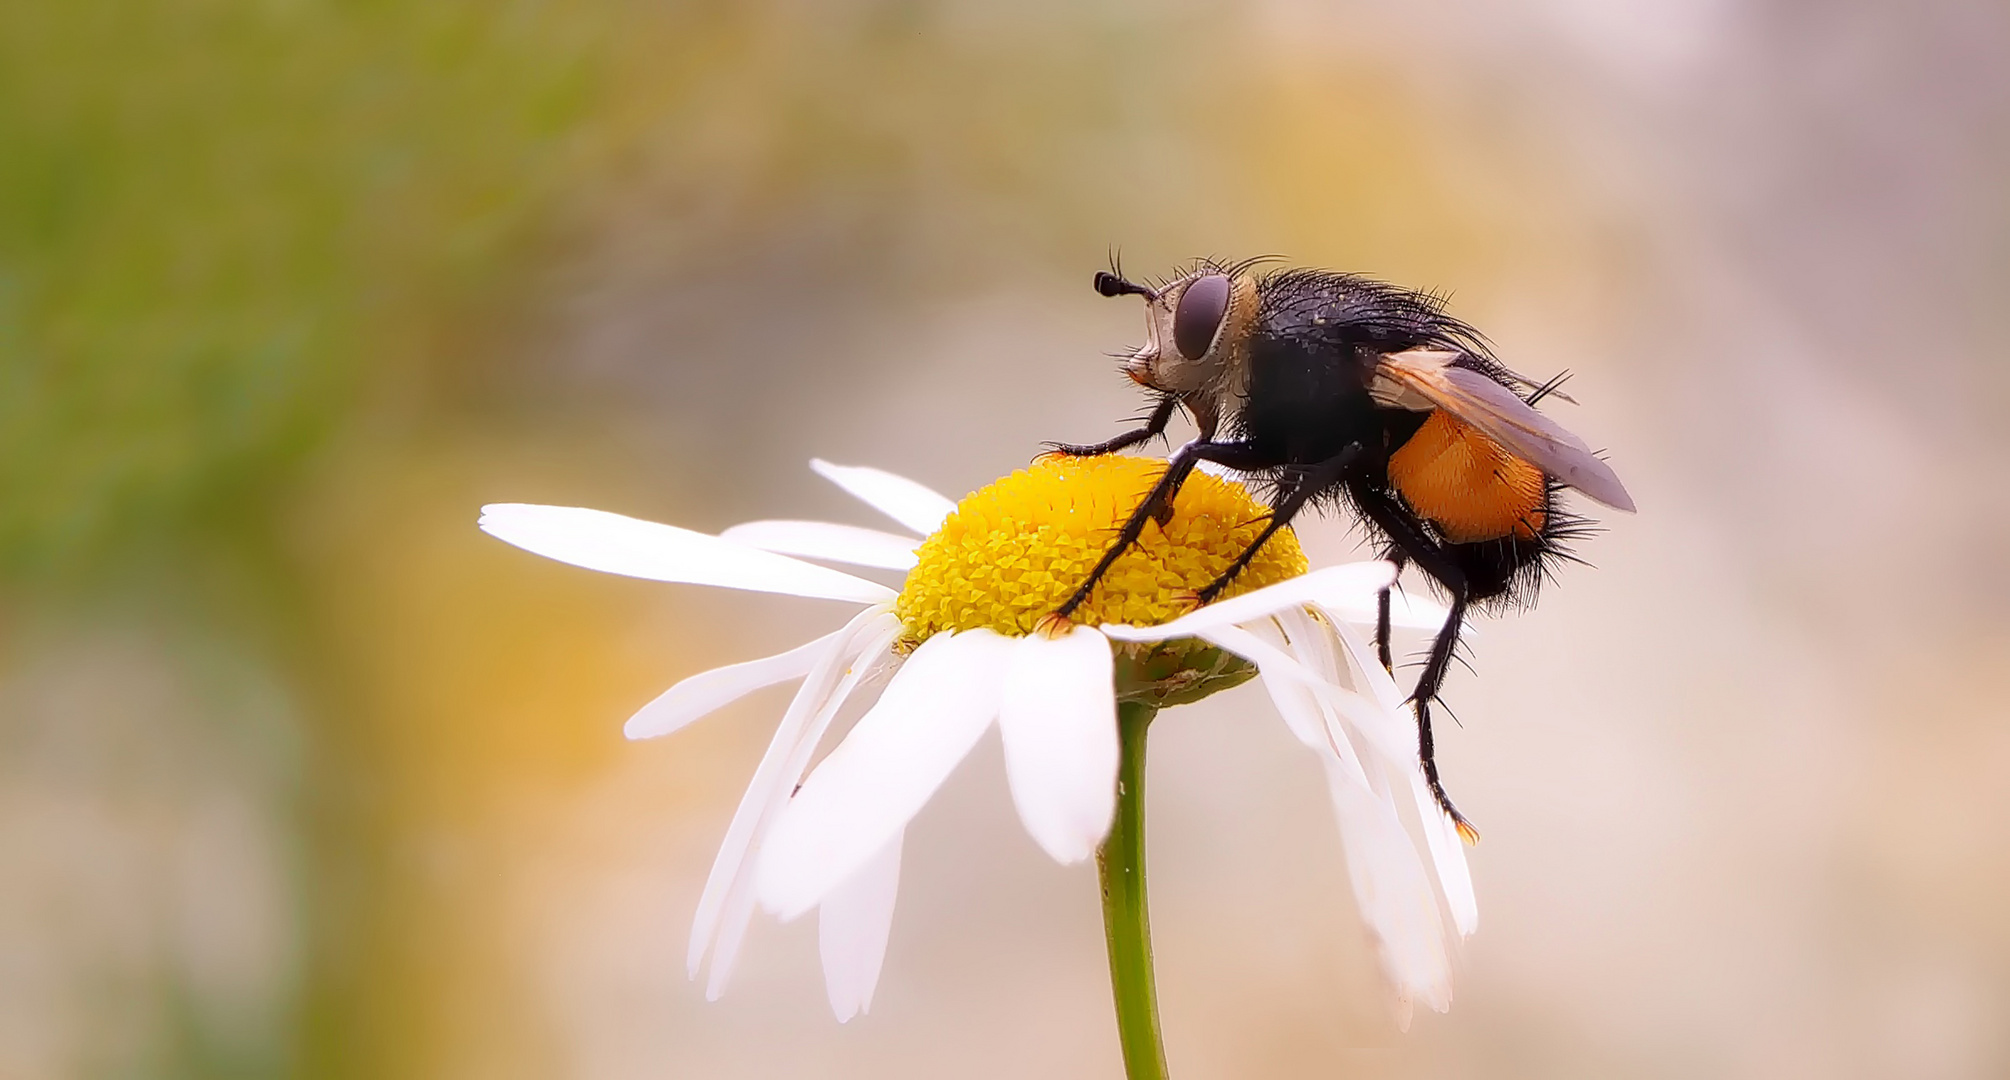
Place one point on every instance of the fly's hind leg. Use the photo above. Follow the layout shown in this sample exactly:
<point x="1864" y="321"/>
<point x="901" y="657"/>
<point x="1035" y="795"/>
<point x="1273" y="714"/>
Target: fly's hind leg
<point x="1426" y="692"/>
<point x="1410" y="538"/>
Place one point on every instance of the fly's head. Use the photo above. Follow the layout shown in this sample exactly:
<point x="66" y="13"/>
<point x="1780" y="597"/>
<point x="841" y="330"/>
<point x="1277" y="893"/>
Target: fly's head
<point x="1197" y="336"/>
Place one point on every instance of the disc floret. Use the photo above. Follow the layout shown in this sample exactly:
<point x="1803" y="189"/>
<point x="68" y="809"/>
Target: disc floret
<point x="1014" y="551"/>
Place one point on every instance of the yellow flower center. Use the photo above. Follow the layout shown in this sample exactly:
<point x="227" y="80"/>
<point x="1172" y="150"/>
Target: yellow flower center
<point x="1015" y="551"/>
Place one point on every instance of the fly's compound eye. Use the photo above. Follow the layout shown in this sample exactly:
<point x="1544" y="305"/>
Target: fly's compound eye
<point x="1201" y="308"/>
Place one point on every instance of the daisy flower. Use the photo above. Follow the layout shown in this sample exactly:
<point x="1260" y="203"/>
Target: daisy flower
<point x="967" y="644"/>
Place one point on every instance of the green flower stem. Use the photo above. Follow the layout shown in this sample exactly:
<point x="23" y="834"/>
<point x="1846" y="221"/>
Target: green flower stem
<point x="1121" y="865"/>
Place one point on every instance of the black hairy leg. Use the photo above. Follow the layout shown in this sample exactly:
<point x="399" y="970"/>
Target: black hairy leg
<point x="1158" y="504"/>
<point x="1154" y="427"/>
<point x="1410" y="537"/>
<point x="1311" y="482"/>
<point x="1394" y="555"/>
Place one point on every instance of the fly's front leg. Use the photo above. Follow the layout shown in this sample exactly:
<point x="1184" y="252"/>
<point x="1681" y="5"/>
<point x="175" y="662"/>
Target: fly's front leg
<point x="1154" y="427"/>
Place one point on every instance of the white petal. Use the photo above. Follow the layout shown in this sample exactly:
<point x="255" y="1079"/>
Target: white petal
<point x="1448" y="855"/>
<point x="1273" y="662"/>
<point x="615" y="544"/>
<point x="1293" y="699"/>
<point x="1405" y="610"/>
<point x="1390" y="727"/>
<point x="736" y="913"/>
<point x="708" y="690"/>
<point x="899" y="498"/>
<point x="880" y="776"/>
<point x="1398" y="743"/>
<point x="728" y="900"/>
<point x="1387" y="733"/>
<point x="1313" y="646"/>
<point x="1393" y="895"/>
<point x="1301" y="709"/>
<point x="1375" y="678"/>
<point x="823" y="540"/>
<point x="1417" y="611"/>
<point x="1058" y="720"/>
<point x="1332" y="585"/>
<point x="737" y="910"/>
<point x="852" y="926"/>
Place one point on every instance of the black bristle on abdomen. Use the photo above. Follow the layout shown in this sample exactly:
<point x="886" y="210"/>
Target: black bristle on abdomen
<point x="1505" y="574"/>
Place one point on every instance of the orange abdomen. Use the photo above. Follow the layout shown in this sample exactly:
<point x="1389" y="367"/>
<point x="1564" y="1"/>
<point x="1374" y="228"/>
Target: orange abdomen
<point x="1465" y="484"/>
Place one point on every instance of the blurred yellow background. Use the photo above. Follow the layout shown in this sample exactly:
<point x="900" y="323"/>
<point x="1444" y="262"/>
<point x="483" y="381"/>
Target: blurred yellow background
<point x="301" y="775"/>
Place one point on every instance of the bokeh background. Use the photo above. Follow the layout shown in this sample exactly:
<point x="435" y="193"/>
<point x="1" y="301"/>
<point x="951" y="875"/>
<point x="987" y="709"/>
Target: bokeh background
<point x="300" y="775"/>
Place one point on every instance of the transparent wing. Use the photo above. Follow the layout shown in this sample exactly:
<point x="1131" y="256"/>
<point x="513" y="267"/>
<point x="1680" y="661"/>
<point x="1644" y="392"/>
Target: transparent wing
<point x="1418" y="377"/>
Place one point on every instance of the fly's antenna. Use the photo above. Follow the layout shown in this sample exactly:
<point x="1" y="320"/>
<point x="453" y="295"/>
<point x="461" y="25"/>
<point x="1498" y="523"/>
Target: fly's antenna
<point x="1109" y="284"/>
<point x="1112" y="282"/>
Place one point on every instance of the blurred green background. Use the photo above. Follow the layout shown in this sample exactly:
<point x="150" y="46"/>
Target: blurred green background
<point x="300" y="775"/>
